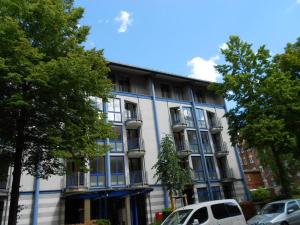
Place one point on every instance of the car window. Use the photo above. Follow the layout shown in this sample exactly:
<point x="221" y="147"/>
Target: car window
<point x="219" y="211"/>
<point x="178" y="217"/>
<point x="273" y="208"/>
<point x="292" y="205"/>
<point x="201" y="215"/>
<point x="298" y="202"/>
<point x="232" y="209"/>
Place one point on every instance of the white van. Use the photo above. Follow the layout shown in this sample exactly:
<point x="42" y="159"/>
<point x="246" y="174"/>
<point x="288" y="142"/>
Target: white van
<point x="220" y="212"/>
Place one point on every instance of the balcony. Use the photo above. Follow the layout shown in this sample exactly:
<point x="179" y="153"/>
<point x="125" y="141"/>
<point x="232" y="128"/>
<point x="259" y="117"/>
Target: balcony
<point x="76" y="181"/>
<point x="183" y="150"/>
<point x="136" y="148"/>
<point x="178" y="122"/>
<point x="227" y="175"/>
<point x="221" y="150"/>
<point x="215" y="125"/>
<point x="138" y="178"/>
<point x="133" y="119"/>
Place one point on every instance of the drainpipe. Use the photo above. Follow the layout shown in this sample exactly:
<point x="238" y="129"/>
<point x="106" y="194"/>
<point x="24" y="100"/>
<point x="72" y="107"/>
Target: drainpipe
<point x="36" y="200"/>
<point x="238" y="159"/>
<point x="107" y="155"/>
<point x="199" y="139"/>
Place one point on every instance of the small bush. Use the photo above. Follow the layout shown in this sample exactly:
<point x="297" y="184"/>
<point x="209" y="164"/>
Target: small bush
<point x="166" y="212"/>
<point x="102" y="222"/>
<point x="261" y="195"/>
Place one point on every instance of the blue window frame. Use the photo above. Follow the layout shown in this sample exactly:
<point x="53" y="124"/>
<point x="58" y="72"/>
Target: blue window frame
<point x="216" y="192"/>
<point x="188" y="116"/>
<point x="97" y="172"/>
<point x="205" y="142"/>
<point x="117" y="170"/>
<point x="197" y="168"/>
<point x="200" y="119"/>
<point x="116" y="142"/>
<point x="212" y="174"/>
<point x="202" y="194"/>
<point x="193" y="141"/>
<point x="114" y="110"/>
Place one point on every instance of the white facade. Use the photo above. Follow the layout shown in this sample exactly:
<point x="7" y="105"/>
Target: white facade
<point x="134" y="86"/>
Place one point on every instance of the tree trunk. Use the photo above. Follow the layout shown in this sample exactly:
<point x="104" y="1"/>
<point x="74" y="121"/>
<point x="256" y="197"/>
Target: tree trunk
<point x="172" y="200"/>
<point x="282" y="176"/>
<point x="17" y="170"/>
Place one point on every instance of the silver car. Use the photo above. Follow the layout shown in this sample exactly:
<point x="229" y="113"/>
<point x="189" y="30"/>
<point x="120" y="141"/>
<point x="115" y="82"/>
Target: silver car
<point x="285" y="212"/>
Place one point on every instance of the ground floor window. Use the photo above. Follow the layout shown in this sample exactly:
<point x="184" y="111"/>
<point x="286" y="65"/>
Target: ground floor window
<point x="202" y="194"/>
<point x="117" y="170"/>
<point x="216" y="193"/>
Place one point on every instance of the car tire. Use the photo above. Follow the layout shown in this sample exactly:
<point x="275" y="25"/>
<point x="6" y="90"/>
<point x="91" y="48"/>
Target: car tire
<point x="284" y="223"/>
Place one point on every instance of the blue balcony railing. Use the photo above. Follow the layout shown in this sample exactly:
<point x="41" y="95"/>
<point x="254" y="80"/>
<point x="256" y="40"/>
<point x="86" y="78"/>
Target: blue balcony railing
<point x="75" y="180"/>
<point x="137" y="177"/>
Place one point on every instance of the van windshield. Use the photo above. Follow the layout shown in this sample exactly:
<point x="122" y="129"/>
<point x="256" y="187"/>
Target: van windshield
<point x="178" y="217"/>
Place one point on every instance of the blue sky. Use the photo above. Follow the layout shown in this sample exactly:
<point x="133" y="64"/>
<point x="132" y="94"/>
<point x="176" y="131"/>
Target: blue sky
<point x="184" y="36"/>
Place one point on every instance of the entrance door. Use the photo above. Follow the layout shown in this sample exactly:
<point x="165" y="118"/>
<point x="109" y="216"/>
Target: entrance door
<point x="189" y="191"/>
<point x="74" y="211"/>
<point x="228" y="191"/>
<point x="138" y="210"/>
<point x="116" y="212"/>
<point x="135" y="170"/>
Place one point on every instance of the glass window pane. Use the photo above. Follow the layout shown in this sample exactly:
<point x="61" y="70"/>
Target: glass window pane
<point x="200" y="118"/>
<point x="93" y="166"/>
<point x="187" y="112"/>
<point x="110" y="105"/>
<point x="193" y="142"/>
<point x="219" y="211"/>
<point x="205" y="142"/>
<point x="117" y="105"/>
<point x="202" y="194"/>
<point x="93" y="180"/>
<point x="118" y="117"/>
<point x="111" y="116"/>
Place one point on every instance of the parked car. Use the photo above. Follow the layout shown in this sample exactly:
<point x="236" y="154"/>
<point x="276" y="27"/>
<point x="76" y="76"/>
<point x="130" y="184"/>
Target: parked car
<point x="285" y="212"/>
<point x="220" y="212"/>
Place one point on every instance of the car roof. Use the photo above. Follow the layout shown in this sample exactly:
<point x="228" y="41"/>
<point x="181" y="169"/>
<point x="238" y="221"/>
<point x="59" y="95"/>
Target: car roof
<point x="202" y="204"/>
<point x="284" y="201"/>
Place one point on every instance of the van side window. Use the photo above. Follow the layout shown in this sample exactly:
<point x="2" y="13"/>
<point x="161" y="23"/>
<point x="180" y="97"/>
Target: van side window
<point x="293" y="205"/>
<point x="232" y="209"/>
<point x="201" y="215"/>
<point x="219" y="211"/>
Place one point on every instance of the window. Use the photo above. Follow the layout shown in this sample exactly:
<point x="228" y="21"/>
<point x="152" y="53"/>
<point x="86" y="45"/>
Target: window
<point x="211" y="167"/>
<point x="292" y="206"/>
<point x="197" y="168"/>
<point x="116" y="142"/>
<point x="131" y="111"/>
<point x="201" y="215"/>
<point x="117" y="170"/>
<point x="200" y="118"/>
<point x="219" y="211"/>
<point x="114" y="110"/>
<point x="205" y="142"/>
<point x="193" y="142"/>
<point x="178" y="217"/>
<point x="216" y="193"/>
<point x="97" y="172"/>
<point x="199" y="97"/>
<point x="232" y="209"/>
<point x="202" y="194"/>
<point x="178" y="92"/>
<point x="124" y="85"/>
<point x="224" y="210"/>
<point x="165" y="91"/>
<point x="133" y="139"/>
<point x="188" y="116"/>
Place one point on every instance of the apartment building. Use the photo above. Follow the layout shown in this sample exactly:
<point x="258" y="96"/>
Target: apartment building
<point x="120" y="186"/>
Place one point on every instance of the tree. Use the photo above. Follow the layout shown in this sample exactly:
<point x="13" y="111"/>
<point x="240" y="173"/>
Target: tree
<point x="168" y="170"/>
<point x="46" y="80"/>
<point x="265" y="95"/>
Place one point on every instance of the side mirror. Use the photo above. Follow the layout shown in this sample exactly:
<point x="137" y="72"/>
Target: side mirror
<point x="196" y="222"/>
<point x="290" y="211"/>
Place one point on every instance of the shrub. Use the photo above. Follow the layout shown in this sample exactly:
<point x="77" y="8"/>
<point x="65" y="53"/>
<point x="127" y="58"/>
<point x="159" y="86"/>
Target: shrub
<point x="166" y="212"/>
<point x="102" y="222"/>
<point x="261" y="194"/>
<point x="248" y="209"/>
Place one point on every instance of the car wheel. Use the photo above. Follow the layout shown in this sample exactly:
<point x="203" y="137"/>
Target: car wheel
<point x="284" y="223"/>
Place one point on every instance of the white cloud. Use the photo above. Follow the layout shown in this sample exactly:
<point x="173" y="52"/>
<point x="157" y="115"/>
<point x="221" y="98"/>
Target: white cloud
<point x="223" y="46"/>
<point x="203" y="69"/>
<point x="124" y="18"/>
<point x="298" y="2"/>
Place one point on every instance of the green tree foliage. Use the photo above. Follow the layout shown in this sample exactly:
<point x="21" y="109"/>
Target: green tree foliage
<point x="261" y="194"/>
<point x="168" y="170"/>
<point x="46" y="80"/>
<point x="266" y="93"/>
